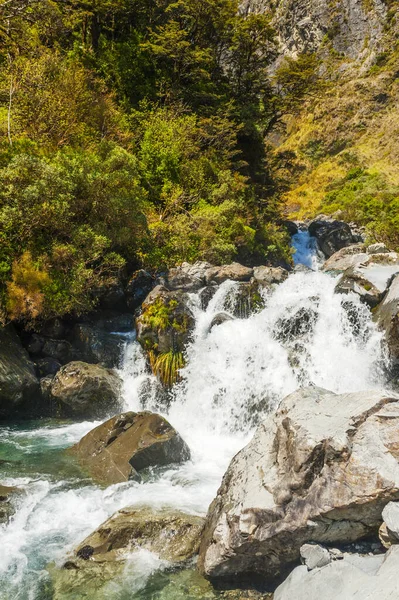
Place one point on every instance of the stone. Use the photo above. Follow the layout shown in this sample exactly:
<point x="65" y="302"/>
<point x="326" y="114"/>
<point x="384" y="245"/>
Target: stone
<point x="353" y="578"/>
<point x="371" y="278"/>
<point x="113" y="297"/>
<point x="235" y="272"/>
<point x="269" y="275"/>
<point x="166" y="321"/>
<point x="219" y="319"/>
<point x="206" y="295"/>
<point x="291" y="227"/>
<point x="98" y="347"/>
<point x="387" y="319"/>
<point x="109" y="557"/>
<point x="345" y="258"/>
<point x="87" y="391"/>
<point x="314" y="556"/>
<point x="19" y="386"/>
<point x="377" y="249"/>
<point x="389" y="530"/>
<point x="321" y="470"/>
<point x="187" y="277"/>
<point x="47" y="366"/>
<point x="7" y="506"/>
<point x="116" y="450"/>
<point x="139" y="286"/>
<point x="60" y="350"/>
<point x="331" y="235"/>
<point x="53" y="328"/>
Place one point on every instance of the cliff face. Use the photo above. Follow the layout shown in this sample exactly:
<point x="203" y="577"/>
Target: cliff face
<point x="353" y="28"/>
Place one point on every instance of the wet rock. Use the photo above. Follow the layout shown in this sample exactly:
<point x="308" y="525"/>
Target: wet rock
<point x="291" y="227"/>
<point x="128" y="443"/>
<point x="139" y="286"/>
<point x="345" y="258"/>
<point x="269" y="275"/>
<point x="19" y="385"/>
<point x="87" y="391"/>
<point x="47" y="366"/>
<point x="54" y="328"/>
<point x="112" y="321"/>
<point x="206" y="295"/>
<point x="331" y="235"/>
<point x="166" y="321"/>
<point x="188" y="277"/>
<point x="45" y="388"/>
<point x="35" y="343"/>
<point x="354" y="578"/>
<point x="235" y="272"/>
<point x="7" y="507"/>
<point x="320" y="470"/>
<point x="244" y="299"/>
<point x="60" y="350"/>
<point x="101" y="558"/>
<point x="113" y="297"/>
<point x="314" y="556"/>
<point x="371" y="278"/>
<point x="98" y="347"/>
<point x="387" y="318"/>
<point x="219" y="319"/>
<point x="172" y="535"/>
<point x="377" y="249"/>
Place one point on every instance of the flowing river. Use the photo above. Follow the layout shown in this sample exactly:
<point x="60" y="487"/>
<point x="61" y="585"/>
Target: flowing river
<point x="235" y="375"/>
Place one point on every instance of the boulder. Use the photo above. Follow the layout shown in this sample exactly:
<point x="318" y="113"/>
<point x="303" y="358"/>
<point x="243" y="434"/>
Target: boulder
<point x="166" y="321"/>
<point x="371" y="278"/>
<point x="86" y="391"/>
<point x="98" y="347"/>
<point x="354" y="577"/>
<point x="389" y="530"/>
<point x="112" y="296"/>
<point x="139" y="286"/>
<point x="18" y="382"/>
<point x="127" y="443"/>
<point x="187" y="277"/>
<point x="102" y="556"/>
<point x="235" y="272"/>
<point x="7" y="507"/>
<point x="244" y="299"/>
<point x="206" y="295"/>
<point x="344" y="259"/>
<point x="377" y="249"/>
<point x="291" y="227"/>
<point x="319" y="470"/>
<point x="60" y="350"/>
<point x="47" y="366"/>
<point x="219" y="319"/>
<point x="387" y="319"/>
<point x="331" y="235"/>
<point x="268" y="275"/>
<point x="314" y="556"/>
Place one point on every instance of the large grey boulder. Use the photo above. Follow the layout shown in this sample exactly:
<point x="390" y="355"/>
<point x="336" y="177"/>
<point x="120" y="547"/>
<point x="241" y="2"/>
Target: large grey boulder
<point x="370" y="278"/>
<point x="387" y="319"/>
<point x="118" y="449"/>
<point x="345" y="258"/>
<point x="268" y="275"/>
<point x="353" y="578"/>
<point x="331" y="235"/>
<point x="86" y="391"/>
<point x="319" y="470"/>
<point x="235" y="272"/>
<point x="18" y="382"/>
<point x="187" y="277"/>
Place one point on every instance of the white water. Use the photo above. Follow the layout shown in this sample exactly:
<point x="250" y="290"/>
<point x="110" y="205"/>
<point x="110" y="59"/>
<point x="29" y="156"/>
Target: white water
<point x="235" y="374"/>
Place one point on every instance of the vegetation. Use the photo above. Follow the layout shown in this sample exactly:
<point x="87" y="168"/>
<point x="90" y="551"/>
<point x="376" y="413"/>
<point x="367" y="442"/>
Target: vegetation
<point x="166" y="366"/>
<point x="131" y="134"/>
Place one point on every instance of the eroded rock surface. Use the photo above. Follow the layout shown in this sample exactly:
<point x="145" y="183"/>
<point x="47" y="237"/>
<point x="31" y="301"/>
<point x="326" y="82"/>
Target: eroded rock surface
<point x="116" y="450"/>
<point x="320" y="470"/>
<point x="86" y="391"/>
<point x="331" y="235"/>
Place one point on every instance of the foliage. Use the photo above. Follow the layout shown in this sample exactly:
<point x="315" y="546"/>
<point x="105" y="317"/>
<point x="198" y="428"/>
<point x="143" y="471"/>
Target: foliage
<point x="166" y="366"/>
<point x="131" y="134"/>
<point x="368" y="199"/>
<point x="296" y="78"/>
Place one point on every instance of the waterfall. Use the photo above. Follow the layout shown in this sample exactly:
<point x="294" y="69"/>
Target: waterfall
<point x="236" y="373"/>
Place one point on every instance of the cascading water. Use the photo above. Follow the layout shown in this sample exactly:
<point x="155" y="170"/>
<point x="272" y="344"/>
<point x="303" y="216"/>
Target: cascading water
<point x="236" y="373"/>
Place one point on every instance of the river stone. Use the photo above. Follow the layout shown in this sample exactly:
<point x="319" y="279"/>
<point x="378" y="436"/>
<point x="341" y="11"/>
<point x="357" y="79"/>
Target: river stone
<point x="127" y="443"/>
<point x="7" y="508"/>
<point x="268" y="275"/>
<point x="377" y="249"/>
<point x="18" y="382"/>
<point x="319" y="470"/>
<point x="353" y="578"/>
<point x="389" y="530"/>
<point x="345" y="258"/>
<point x="387" y="318"/>
<point x="331" y="235"/>
<point x="314" y="556"/>
<point x="87" y="391"/>
<point x="219" y="319"/>
<point x="371" y="278"/>
<point x="235" y="272"/>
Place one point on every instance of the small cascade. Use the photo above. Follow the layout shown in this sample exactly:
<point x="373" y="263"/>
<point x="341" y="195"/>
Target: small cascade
<point x="306" y="250"/>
